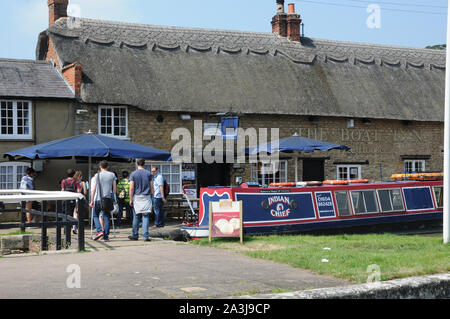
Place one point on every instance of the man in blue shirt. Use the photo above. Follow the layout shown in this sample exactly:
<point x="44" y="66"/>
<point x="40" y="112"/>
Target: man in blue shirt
<point x="140" y="200"/>
<point x="158" y="194"/>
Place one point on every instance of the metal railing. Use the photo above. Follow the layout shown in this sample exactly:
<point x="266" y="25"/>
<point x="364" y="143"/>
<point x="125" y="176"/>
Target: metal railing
<point x="59" y="218"/>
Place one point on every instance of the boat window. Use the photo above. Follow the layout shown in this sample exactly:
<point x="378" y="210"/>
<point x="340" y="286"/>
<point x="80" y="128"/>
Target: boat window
<point x="390" y="200"/>
<point x="364" y="202"/>
<point x="439" y="196"/>
<point x="342" y="203"/>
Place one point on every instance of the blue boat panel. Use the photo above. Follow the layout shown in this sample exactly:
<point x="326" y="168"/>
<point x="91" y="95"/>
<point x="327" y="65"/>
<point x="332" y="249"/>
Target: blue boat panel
<point x="276" y="207"/>
<point x="325" y="206"/>
<point x="418" y="198"/>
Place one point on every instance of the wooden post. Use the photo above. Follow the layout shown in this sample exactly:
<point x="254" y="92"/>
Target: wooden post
<point x="242" y="223"/>
<point x="210" y="221"/>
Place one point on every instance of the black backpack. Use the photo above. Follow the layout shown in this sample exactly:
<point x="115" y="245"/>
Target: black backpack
<point x="70" y="187"/>
<point x="166" y="189"/>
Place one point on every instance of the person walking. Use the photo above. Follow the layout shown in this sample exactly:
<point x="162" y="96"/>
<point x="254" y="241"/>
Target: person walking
<point x="70" y="184"/>
<point x="159" y="197"/>
<point x="140" y="200"/>
<point x="83" y="190"/>
<point x="123" y="199"/>
<point x="27" y="183"/>
<point x="104" y="186"/>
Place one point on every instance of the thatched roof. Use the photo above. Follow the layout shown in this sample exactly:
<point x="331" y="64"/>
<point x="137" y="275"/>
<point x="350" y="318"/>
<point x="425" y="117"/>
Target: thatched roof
<point x="201" y="70"/>
<point x="32" y="79"/>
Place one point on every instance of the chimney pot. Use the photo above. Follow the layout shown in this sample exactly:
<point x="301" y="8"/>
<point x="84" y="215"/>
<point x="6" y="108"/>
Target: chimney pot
<point x="279" y="21"/>
<point x="291" y="7"/>
<point x="280" y="6"/>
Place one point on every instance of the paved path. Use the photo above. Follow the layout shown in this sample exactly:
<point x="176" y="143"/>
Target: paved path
<point x="159" y="269"/>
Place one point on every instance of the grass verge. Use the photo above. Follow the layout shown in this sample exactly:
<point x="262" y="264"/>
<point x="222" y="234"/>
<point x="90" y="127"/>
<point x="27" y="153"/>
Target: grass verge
<point x="348" y="256"/>
<point x="16" y="233"/>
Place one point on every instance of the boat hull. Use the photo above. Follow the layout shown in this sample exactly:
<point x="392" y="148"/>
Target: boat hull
<point x="294" y="210"/>
<point x="202" y="232"/>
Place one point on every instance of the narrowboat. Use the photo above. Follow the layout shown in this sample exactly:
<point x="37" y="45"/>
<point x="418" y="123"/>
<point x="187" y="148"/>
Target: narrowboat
<point x="310" y="207"/>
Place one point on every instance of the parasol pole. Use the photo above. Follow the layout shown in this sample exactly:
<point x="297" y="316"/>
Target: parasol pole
<point x="446" y="230"/>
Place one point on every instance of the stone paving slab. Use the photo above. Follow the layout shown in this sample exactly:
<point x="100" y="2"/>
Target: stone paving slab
<point x="159" y="269"/>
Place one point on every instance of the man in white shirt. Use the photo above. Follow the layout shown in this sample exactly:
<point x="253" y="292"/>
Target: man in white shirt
<point x="158" y="194"/>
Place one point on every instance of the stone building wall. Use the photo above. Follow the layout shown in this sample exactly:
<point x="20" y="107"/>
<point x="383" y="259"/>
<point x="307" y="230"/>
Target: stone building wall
<point x="373" y="143"/>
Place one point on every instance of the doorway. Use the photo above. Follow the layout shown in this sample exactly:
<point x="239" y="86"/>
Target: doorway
<point x="313" y="170"/>
<point x="213" y="175"/>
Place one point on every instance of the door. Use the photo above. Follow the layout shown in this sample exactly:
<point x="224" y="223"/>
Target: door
<point x="213" y="175"/>
<point x="313" y="170"/>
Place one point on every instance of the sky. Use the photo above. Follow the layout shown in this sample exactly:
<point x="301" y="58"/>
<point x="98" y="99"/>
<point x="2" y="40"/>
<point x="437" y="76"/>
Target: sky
<point x="413" y="23"/>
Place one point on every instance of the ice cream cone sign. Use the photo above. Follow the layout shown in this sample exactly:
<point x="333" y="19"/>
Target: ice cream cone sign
<point x="225" y="219"/>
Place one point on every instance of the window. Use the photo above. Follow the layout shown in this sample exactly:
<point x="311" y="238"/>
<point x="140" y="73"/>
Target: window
<point x="347" y="172"/>
<point x="171" y="174"/>
<point x="212" y="129"/>
<point x="15" y="120"/>
<point x="391" y="200"/>
<point x="414" y="166"/>
<point x="364" y="202"/>
<point x="113" y="121"/>
<point x="267" y="173"/>
<point x="439" y="196"/>
<point x="342" y="203"/>
<point x="11" y="174"/>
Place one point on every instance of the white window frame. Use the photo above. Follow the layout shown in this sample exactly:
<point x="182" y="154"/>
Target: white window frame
<point x="179" y="182"/>
<point x="15" y="135"/>
<point x="112" y="108"/>
<point x="349" y="204"/>
<point x="437" y="199"/>
<point x="361" y="191"/>
<point x="390" y="198"/>
<point x="348" y="167"/>
<point x="413" y="165"/>
<point x="16" y="177"/>
<point x="212" y="129"/>
<point x="267" y="179"/>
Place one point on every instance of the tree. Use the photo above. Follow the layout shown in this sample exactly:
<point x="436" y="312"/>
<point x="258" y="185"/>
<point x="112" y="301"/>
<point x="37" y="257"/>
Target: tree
<point x="437" y="47"/>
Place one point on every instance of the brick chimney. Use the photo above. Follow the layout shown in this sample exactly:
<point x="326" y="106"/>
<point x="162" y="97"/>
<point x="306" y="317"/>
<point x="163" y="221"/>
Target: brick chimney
<point x="279" y="21"/>
<point x="73" y="75"/>
<point x="57" y="9"/>
<point x="286" y="25"/>
<point x="293" y="24"/>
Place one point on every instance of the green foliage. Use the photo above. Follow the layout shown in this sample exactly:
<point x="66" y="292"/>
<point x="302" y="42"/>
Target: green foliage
<point x="437" y="47"/>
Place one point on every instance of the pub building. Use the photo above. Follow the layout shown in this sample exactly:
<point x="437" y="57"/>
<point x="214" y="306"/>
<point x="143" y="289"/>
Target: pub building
<point x="141" y="82"/>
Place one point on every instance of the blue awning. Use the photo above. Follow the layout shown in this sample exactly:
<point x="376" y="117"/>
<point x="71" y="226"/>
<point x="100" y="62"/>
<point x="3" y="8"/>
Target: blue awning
<point x="295" y="144"/>
<point x="90" y="145"/>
